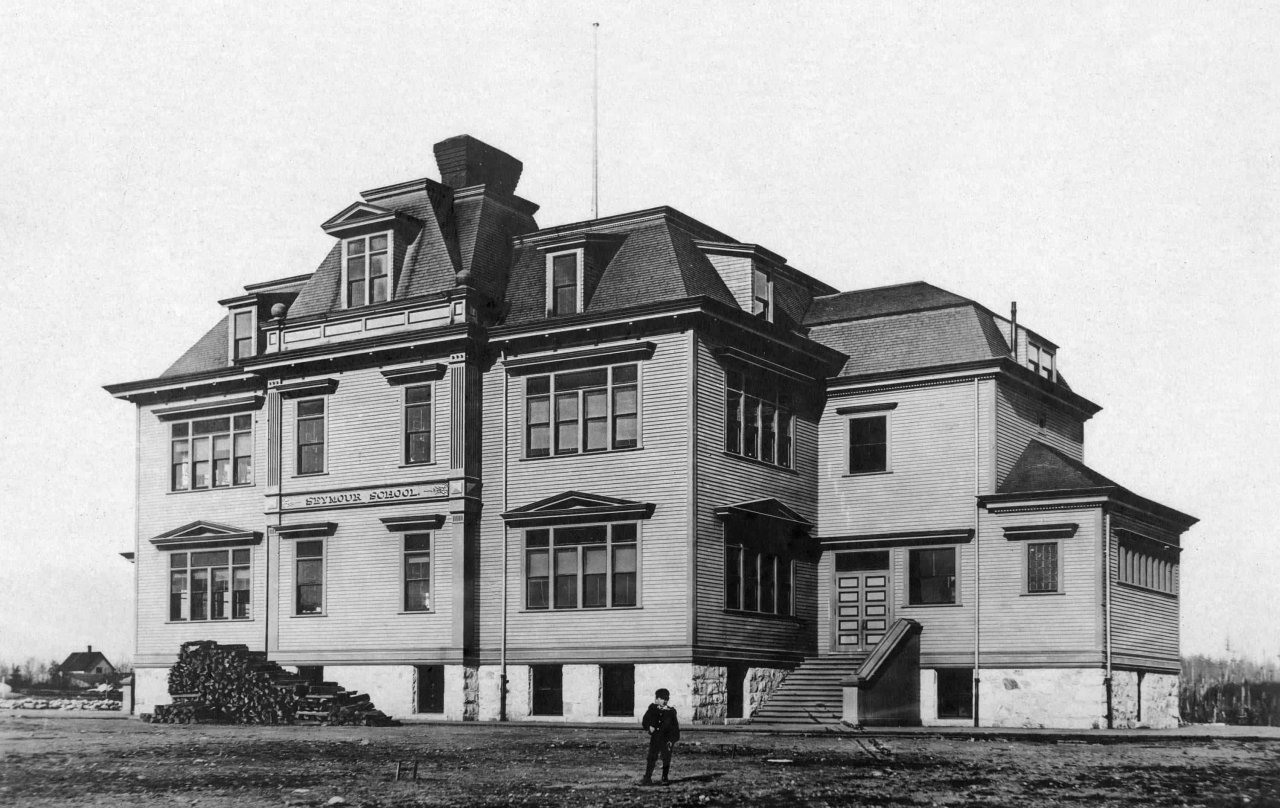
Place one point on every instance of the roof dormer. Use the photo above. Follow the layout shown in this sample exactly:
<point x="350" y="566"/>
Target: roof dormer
<point x="374" y="242"/>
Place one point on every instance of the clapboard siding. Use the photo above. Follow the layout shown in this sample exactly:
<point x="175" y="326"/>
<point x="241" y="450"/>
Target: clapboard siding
<point x="364" y="441"/>
<point x="735" y="271"/>
<point x="724" y="479"/>
<point x="655" y="473"/>
<point x="1144" y="624"/>
<point x="1018" y="415"/>
<point x="941" y="455"/>
<point x="363" y="581"/>
<point x="160" y="511"/>
<point x="931" y="485"/>
<point x="1013" y="622"/>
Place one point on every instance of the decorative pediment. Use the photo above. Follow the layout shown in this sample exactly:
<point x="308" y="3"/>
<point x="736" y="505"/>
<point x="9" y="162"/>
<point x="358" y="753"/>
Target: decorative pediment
<point x="357" y="213"/>
<point x="205" y="534"/>
<point x="575" y="507"/>
<point x="768" y="508"/>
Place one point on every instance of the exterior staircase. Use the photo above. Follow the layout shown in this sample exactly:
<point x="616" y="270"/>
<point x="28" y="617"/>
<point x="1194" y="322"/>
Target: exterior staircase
<point x="811" y="694"/>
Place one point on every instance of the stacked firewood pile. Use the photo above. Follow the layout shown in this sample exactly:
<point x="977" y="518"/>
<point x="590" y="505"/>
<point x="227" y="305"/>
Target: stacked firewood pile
<point x="231" y="684"/>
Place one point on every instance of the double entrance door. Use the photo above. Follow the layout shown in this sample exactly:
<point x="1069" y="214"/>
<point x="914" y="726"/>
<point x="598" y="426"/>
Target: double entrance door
<point x="862" y="607"/>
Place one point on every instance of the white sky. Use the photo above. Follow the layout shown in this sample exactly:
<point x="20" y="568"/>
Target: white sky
<point x="1111" y="168"/>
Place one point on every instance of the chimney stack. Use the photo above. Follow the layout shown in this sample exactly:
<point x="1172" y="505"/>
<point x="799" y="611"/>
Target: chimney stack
<point x="464" y="161"/>
<point x="91" y="649"/>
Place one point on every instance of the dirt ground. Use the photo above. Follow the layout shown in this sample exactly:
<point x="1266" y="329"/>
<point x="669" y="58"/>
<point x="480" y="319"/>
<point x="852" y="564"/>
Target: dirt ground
<point x="101" y="762"/>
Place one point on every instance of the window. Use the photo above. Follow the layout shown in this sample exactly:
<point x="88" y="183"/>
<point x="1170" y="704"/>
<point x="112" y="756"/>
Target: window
<point x="587" y="567"/>
<point x="618" y="683"/>
<point x="1040" y="360"/>
<point x="868" y="444"/>
<point x="367" y="270"/>
<point x="417" y="572"/>
<point x="244" y="335"/>
<point x="762" y="294"/>
<point x="757" y="582"/>
<point x="548" y="689"/>
<point x="311" y="436"/>
<point x="1042" y="568"/>
<point x="430" y="689"/>
<point x="417" y="424"/>
<point x="932" y="576"/>
<point x="955" y="693"/>
<point x="1147" y="564"/>
<point x="582" y="411"/>
<point x="211" y="453"/>
<point x="309" y="577"/>
<point x="563" y="290"/>
<point x="209" y="585"/>
<point x="758" y="417"/>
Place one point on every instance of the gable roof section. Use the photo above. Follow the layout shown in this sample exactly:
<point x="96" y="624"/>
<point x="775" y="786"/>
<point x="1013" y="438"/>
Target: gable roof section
<point x="208" y="354"/>
<point x="83" y="662"/>
<point x="1043" y="468"/>
<point x="202" y="533"/>
<point x="1043" y="472"/>
<point x="576" y="507"/>
<point x="772" y="508"/>
<point x="914" y="340"/>
<point x="880" y="301"/>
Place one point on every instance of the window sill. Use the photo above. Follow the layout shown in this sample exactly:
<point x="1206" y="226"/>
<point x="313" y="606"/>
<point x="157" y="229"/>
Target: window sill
<point x="307" y="616"/>
<point x="583" y="610"/>
<point x="312" y="474"/>
<point x="215" y="488"/>
<point x="225" y="621"/>
<point x="930" y="605"/>
<point x="603" y="453"/>
<point x="418" y="465"/>
<point x="418" y="611"/>
<point x="1041" y="594"/>
<point x="788" y="618"/>
<point x="1148" y="590"/>
<point x="762" y="463"/>
<point x="867" y="473"/>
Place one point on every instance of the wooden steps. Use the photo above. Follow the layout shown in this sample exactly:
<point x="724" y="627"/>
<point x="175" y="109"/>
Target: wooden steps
<point x="811" y="694"/>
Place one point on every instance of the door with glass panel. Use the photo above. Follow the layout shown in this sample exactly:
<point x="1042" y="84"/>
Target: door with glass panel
<point x="861" y="603"/>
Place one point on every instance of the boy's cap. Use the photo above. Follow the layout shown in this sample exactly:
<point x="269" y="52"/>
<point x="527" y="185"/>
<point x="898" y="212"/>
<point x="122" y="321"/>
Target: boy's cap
<point x="662" y="693"/>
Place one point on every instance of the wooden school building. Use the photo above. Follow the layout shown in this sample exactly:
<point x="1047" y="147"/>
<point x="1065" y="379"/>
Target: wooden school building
<point x="486" y="470"/>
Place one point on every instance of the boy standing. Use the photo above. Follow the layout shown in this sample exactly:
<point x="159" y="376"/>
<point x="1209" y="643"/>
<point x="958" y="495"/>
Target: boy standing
<point x="664" y="731"/>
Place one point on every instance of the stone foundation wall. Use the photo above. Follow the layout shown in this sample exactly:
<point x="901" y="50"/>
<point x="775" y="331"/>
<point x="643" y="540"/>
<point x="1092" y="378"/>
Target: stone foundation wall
<point x="710" y="695"/>
<point x="1067" y="698"/>
<point x="150" y="688"/>
<point x="1124" y="699"/>
<point x="581" y="692"/>
<point x="391" y="687"/>
<point x="1160" y="700"/>
<point x="461" y="693"/>
<point x="761" y="684"/>
<point x="676" y="677"/>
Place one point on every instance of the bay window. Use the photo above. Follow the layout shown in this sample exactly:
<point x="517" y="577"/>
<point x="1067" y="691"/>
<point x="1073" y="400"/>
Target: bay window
<point x="758" y="416"/>
<point x="581" y="567"/>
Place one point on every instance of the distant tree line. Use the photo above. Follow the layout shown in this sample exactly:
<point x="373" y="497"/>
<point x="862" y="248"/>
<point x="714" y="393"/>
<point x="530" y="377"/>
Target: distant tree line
<point x="34" y="674"/>
<point x="1229" y="691"/>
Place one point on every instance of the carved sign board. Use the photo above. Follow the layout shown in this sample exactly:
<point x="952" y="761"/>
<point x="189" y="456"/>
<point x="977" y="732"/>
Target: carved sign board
<point x="366" y="496"/>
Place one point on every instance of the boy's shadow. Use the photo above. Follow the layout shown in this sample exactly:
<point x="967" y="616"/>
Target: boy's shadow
<point x="697" y="778"/>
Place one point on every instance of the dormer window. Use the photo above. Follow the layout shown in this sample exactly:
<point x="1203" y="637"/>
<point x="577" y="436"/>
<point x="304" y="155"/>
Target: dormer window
<point x="1040" y="360"/>
<point x="243" y="339"/>
<point x="762" y="294"/>
<point x="367" y="269"/>
<point x="564" y="283"/>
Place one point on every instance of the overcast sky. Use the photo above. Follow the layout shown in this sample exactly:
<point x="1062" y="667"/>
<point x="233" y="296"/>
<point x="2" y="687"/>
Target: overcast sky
<point x="1112" y="169"/>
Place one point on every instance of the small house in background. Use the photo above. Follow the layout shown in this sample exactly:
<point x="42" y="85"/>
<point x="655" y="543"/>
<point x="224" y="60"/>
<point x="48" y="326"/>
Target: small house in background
<point x="84" y="669"/>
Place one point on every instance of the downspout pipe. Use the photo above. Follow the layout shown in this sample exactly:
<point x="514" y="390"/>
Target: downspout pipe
<point x="977" y="544"/>
<point x="506" y="561"/>
<point x="1106" y="611"/>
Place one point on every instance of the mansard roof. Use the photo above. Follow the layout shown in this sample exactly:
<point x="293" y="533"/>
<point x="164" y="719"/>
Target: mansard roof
<point x="208" y="354"/>
<point x="883" y="336"/>
<point x="880" y="301"/>
<point x="653" y="259"/>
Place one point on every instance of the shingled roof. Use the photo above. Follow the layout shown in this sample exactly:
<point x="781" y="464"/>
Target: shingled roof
<point x="83" y="662"/>
<point x="1043" y="471"/>
<point x="880" y="301"/>
<point x="656" y="261"/>
<point x="208" y="354"/>
<point x="880" y="336"/>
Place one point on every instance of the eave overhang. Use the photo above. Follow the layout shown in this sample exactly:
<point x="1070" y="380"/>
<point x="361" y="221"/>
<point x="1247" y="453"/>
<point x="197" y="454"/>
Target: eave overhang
<point x="150" y="391"/>
<point x="1115" y="497"/>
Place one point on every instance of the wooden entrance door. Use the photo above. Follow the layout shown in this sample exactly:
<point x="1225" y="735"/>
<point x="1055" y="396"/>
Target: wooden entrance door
<point x="862" y="604"/>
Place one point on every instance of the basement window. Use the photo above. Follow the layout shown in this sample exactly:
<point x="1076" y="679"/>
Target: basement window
<point x="955" y="693"/>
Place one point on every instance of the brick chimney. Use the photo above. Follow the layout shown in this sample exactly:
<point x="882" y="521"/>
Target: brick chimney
<point x="91" y="649"/>
<point x="464" y="162"/>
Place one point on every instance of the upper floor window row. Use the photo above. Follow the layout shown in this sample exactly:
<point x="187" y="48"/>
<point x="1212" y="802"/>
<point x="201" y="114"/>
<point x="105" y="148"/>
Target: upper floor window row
<point x="868" y="444"/>
<point x="367" y="269"/>
<point x="759" y="419"/>
<point x="582" y="411"/>
<point x="211" y="453"/>
<point x="1139" y="566"/>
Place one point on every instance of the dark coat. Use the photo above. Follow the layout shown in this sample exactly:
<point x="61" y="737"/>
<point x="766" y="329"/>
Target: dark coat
<point x="661" y="723"/>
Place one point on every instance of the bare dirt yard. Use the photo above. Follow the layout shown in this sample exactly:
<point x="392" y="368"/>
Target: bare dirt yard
<point x="103" y="762"/>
